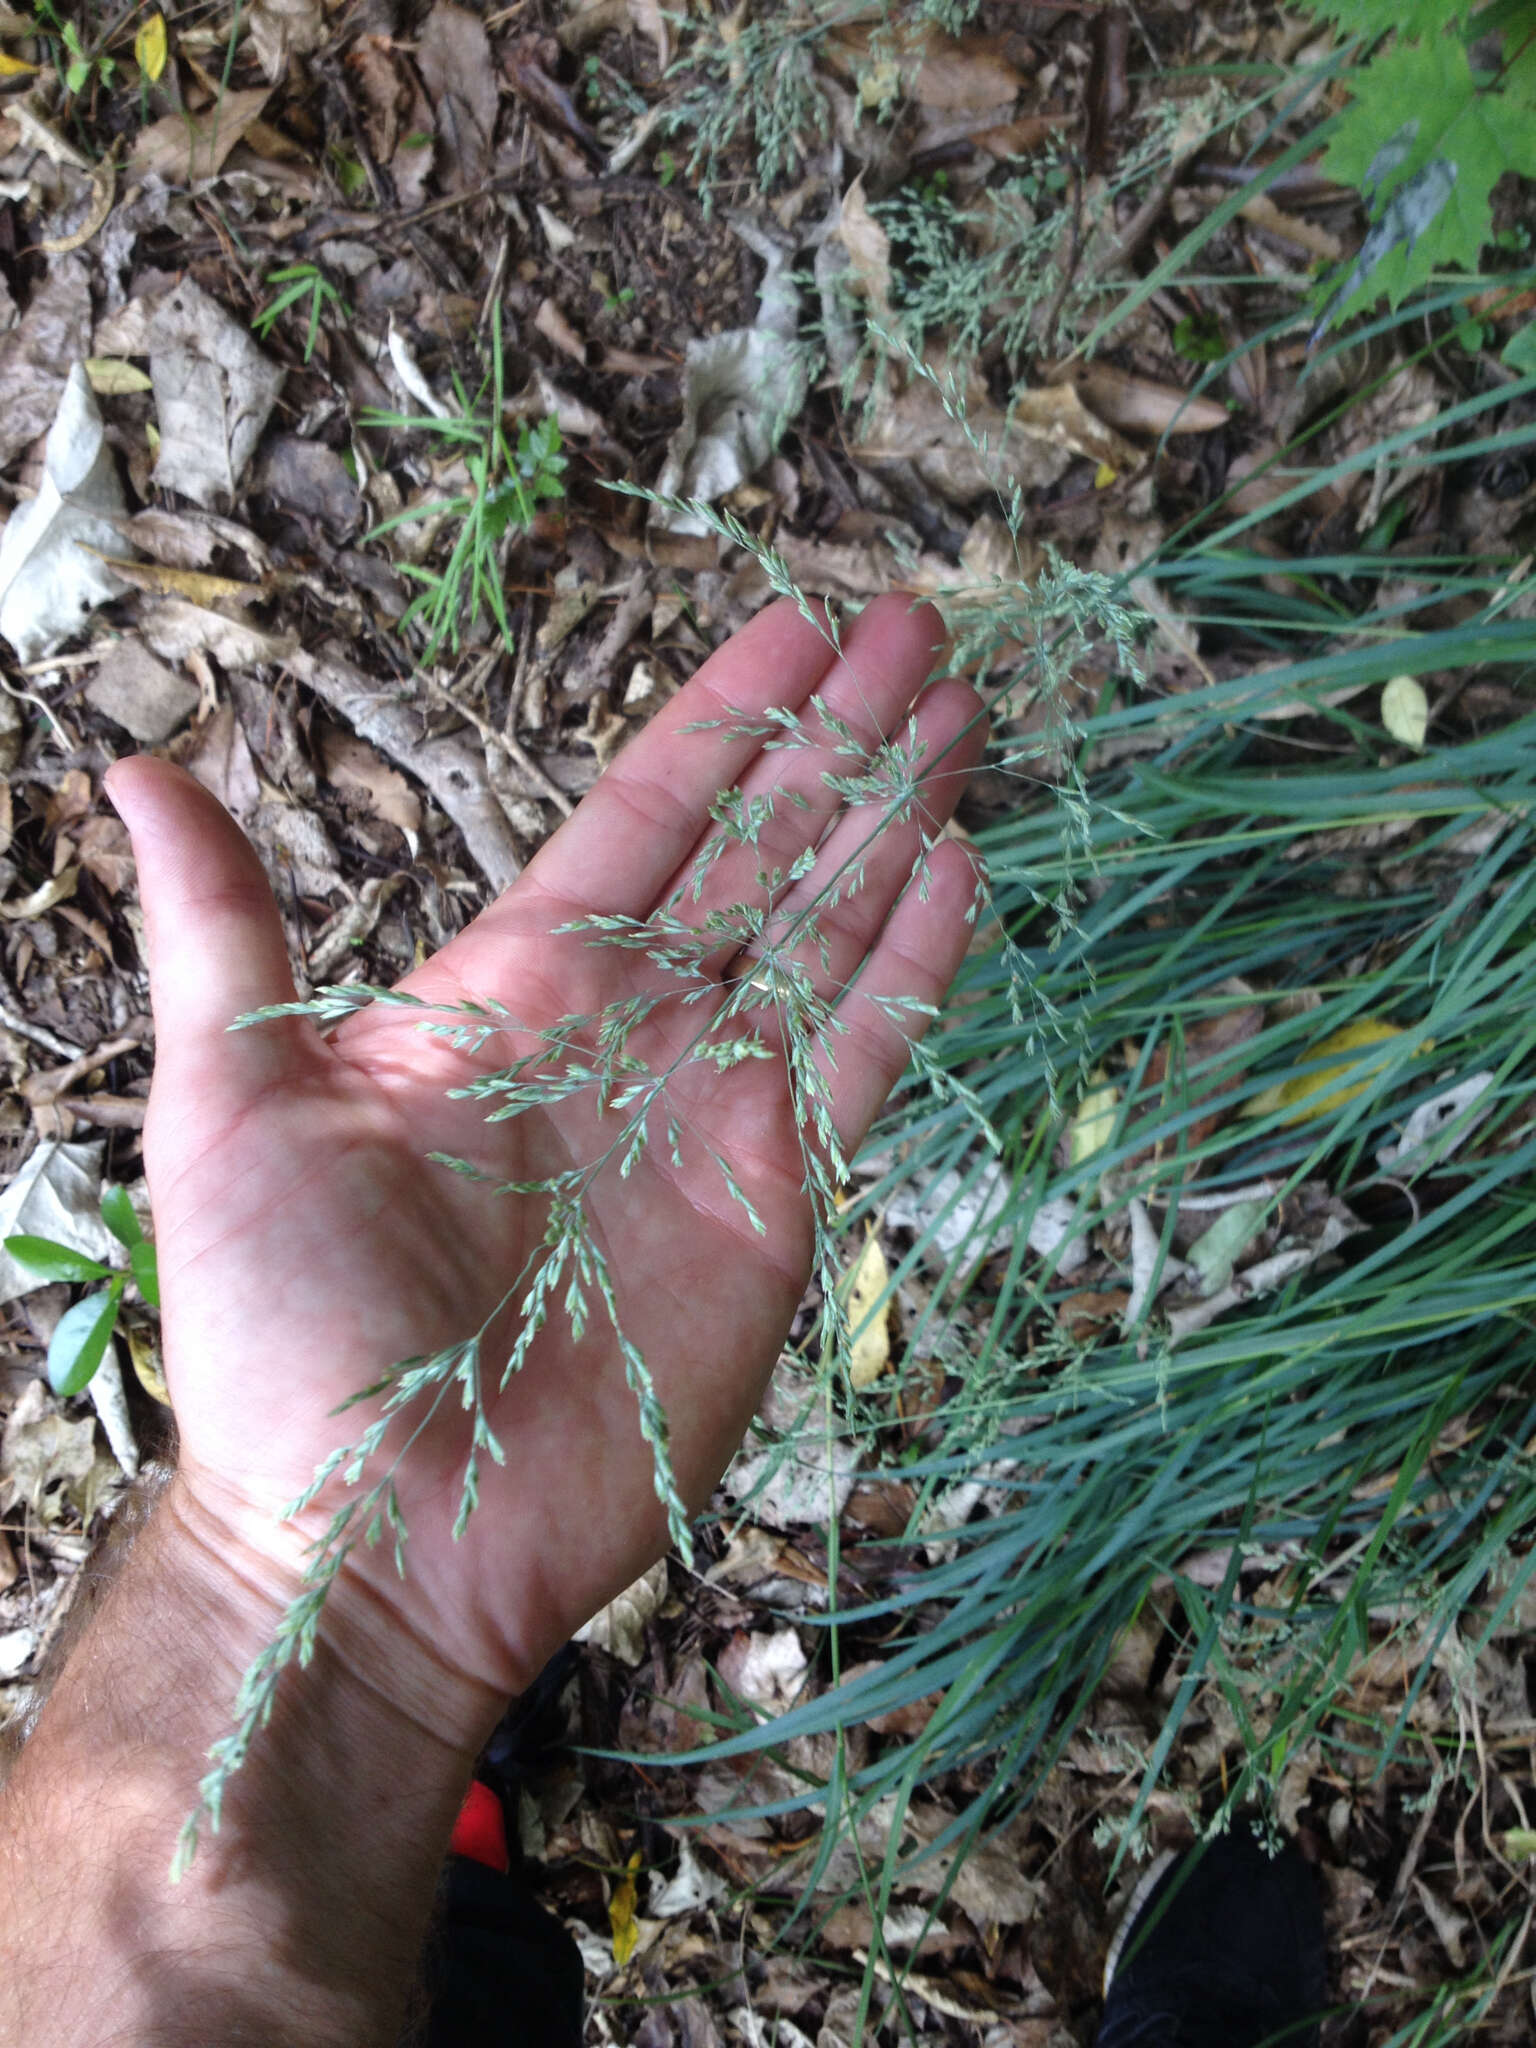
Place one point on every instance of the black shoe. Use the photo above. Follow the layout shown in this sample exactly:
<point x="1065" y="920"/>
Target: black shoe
<point x="1220" y="1948"/>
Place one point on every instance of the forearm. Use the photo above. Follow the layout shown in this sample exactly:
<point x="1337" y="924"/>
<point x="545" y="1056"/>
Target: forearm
<point x="301" y="1921"/>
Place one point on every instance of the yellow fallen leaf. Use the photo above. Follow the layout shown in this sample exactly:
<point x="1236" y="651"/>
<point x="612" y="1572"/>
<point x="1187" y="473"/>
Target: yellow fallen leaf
<point x="15" y="67"/>
<point x="621" y="1914"/>
<point x="1093" y="1124"/>
<point x="112" y="377"/>
<point x="149" y="47"/>
<point x="163" y="579"/>
<point x="867" y="1281"/>
<point x="1316" y="1094"/>
<point x="146" y="1365"/>
<point x="1104" y="476"/>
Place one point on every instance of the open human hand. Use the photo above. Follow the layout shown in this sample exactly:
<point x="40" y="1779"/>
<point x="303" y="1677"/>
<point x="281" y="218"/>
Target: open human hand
<point x="306" y="1244"/>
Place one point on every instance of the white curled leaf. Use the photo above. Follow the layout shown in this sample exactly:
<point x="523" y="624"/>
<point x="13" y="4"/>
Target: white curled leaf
<point x="1431" y="1118"/>
<point x="50" y="581"/>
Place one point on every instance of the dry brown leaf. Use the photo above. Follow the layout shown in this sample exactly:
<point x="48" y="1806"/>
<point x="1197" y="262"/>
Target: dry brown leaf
<point x="868" y="246"/>
<point x="175" y="628"/>
<point x="218" y="754"/>
<point x="1142" y="405"/>
<point x="101" y="841"/>
<point x="279" y="28"/>
<point x="44" y="1458"/>
<point x="1309" y="235"/>
<point x="1030" y="445"/>
<point x="649" y="19"/>
<point x="453" y="54"/>
<point x="967" y="74"/>
<point x="36" y="354"/>
<point x="184" y="147"/>
<point x="353" y="768"/>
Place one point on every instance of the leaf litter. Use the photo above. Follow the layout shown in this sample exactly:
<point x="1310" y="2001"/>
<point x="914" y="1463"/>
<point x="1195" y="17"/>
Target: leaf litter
<point x="679" y="344"/>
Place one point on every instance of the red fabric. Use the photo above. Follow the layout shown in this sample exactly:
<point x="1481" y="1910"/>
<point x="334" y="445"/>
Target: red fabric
<point x="480" y="1832"/>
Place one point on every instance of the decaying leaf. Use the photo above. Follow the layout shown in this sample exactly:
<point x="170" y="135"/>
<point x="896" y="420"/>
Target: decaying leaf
<point x="868" y="246"/>
<point x="140" y="693"/>
<point x="458" y="69"/>
<point x="182" y="148"/>
<point x="47" y="1462"/>
<point x="50" y="578"/>
<point x="175" y="628"/>
<point x="1031" y="444"/>
<point x="741" y="389"/>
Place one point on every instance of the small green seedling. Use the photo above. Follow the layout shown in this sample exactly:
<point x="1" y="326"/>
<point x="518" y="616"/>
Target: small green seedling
<point x="508" y="478"/>
<point x="80" y="1342"/>
<point x="298" y="282"/>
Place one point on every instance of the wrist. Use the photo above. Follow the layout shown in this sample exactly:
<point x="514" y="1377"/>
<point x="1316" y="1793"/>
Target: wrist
<point x="248" y="1566"/>
<point x="302" y="1918"/>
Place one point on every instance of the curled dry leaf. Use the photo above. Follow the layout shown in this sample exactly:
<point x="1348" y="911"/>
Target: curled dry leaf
<point x="1141" y="405"/>
<point x="741" y="389"/>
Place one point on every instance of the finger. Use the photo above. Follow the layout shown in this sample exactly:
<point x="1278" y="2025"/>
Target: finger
<point x="646" y="814"/>
<point x="870" y="855"/>
<point x="916" y="957"/>
<point x="216" y="946"/>
<point x="887" y="656"/>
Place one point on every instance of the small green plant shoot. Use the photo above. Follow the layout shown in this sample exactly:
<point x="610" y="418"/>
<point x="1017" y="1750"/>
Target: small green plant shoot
<point x="298" y="284"/>
<point x="79" y="1344"/>
<point x="508" y="478"/>
<point x="1432" y="125"/>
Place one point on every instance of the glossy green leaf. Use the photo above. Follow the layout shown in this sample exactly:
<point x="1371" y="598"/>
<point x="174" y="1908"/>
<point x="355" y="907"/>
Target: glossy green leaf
<point x="146" y="1270"/>
<point x="51" y="1260"/>
<point x="80" y="1342"/>
<point x="117" y="1212"/>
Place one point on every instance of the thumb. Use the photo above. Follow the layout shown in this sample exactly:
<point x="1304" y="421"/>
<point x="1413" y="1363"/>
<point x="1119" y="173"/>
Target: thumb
<point x="216" y="945"/>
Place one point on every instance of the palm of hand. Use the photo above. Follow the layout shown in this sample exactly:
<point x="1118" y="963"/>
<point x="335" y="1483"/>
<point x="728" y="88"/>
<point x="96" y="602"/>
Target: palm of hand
<point x="306" y="1243"/>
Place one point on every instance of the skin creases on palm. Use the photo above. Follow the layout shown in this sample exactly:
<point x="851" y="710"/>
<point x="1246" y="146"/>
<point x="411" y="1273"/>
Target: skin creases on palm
<point x="306" y="1242"/>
